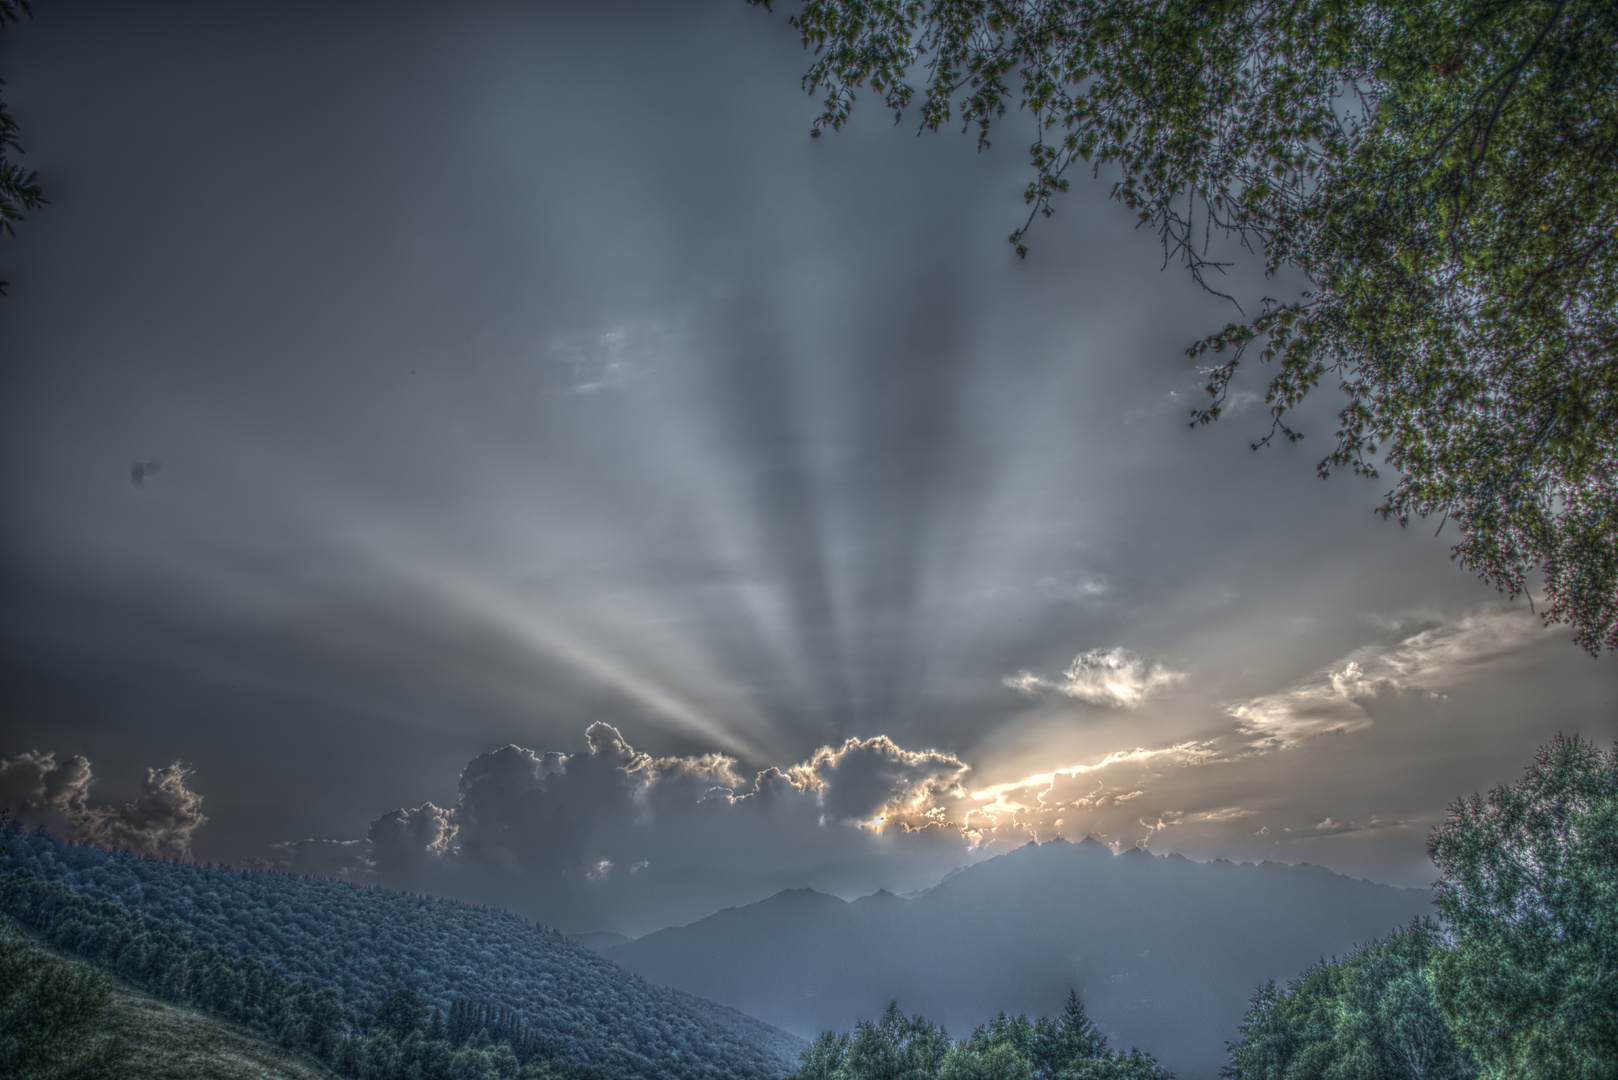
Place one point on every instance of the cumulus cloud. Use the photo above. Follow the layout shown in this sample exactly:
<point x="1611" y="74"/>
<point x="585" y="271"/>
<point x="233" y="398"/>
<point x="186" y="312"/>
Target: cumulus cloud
<point x="160" y="821"/>
<point x="427" y="832"/>
<point x="861" y="781"/>
<point x="33" y="782"/>
<point x="610" y="835"/>
<point x="1116" y="678"/>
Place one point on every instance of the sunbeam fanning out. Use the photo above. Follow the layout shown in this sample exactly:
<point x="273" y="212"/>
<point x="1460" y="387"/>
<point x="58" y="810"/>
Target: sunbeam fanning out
<point x="582" y="492"/>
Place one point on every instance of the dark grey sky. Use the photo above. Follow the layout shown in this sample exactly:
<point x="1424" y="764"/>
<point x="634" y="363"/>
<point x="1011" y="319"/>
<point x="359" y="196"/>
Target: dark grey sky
<point x="516" y="367"/>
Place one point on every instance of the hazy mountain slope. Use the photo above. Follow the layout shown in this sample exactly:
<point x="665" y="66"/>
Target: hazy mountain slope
<point x="367" y="942"/>
<point x="1164" y="951"/>
<point x="787" y="1046"/>
<point x="599" y="939"/>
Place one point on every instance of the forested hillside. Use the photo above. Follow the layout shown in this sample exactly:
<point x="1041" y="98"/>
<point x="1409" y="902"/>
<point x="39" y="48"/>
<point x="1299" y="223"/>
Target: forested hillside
<point x="365" y="943"/>
<point x="1165" y="952"/>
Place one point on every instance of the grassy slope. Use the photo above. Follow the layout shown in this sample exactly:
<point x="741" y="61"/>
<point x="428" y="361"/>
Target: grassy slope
<point x="176" y="1042"/>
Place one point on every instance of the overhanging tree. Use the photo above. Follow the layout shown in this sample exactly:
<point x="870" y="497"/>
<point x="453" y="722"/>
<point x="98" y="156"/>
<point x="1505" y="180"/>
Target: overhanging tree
<point x="19" y="189"/>
<point x="1443" y="173"/>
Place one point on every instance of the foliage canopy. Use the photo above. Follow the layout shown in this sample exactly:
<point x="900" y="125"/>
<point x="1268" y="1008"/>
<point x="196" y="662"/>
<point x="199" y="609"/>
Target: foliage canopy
<point x="19" y="189"/>
<point x="51" y="1014"/>
<point x="1443" y="173"/>
<point x="1370" y="1016"/>
<point x="1530" y="888"/>
<point x="900" y="1047"/>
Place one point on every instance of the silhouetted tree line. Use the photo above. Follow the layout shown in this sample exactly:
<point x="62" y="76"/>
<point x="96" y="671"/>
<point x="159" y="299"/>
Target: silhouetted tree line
<point x="540" y="995"/>
<point x="900" y="1047"/>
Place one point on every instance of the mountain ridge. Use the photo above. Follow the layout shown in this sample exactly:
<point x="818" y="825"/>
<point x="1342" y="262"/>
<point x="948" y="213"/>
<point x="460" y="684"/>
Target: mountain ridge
<point x="1165" y="950"/>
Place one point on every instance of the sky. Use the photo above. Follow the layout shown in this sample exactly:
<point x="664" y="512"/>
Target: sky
<point x="492" y="450"/>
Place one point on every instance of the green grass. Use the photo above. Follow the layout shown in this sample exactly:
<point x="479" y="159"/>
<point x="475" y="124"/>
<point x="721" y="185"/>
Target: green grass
<point x="176" y="1042"/>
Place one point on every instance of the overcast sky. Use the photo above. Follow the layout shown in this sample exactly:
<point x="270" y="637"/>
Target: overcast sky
<point x="522" y="375"/>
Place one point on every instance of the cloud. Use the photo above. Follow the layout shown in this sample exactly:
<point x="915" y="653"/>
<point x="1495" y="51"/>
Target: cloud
<point x="160" y="821"/>
<point x="612" y="835"/>
<point x="425" y="833"/>
<point x="1084" y="588"/>
<point x="1333" y="699"/>
<point x="1063" y="786"/>
<point x="34" y="782"/>
<point x="1154" y="787"/>
<point x="1116" y="678"/>
<point x="1332" y="827"/>
<point x="860" y="780"/>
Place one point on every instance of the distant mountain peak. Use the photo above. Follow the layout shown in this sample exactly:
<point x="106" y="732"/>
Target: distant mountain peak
<point x="805" y="893"/>
<point x="881" y="896"/>
<point x="597" y="940"/>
